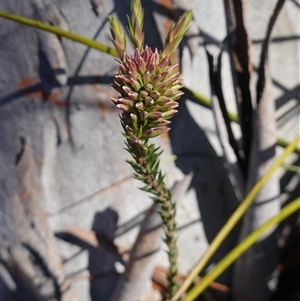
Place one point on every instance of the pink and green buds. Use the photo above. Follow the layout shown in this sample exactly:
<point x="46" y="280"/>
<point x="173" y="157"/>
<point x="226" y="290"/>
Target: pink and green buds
<point x="176" y="33"/>
<point x="117" y="35"/>
<point x="135" y="24"/>
<point x="149" y="89"/>
<point x="149" y="86"/>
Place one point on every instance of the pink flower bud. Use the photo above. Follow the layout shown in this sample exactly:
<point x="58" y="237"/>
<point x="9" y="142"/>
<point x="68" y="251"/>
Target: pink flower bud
<point x="163" y="99"/>
<point x="173" y="68"/>
<point x="126" y="101"/>
<point x="156" y="78"/>
<point x="170" y="92"/>
<point x="155" y="115"/>
<point x="128" y="129"/>
<point x="126" y="89"/>
<point x="146" y="77"/>
<point x="137" y="56"/>
<point x="177" y="95"/>
<point x="174" y="80"/>
<point x="140" y="106"/>
<point x="149" y="101"/>
<point x="161" y="86"/>
<point x="147" y="54"/>
<point x="143" y="94"/>
<point x="159" y="122"/>
<point x="154" y="58"/>
<point x="164" y="63"/>
<point x="123" y="107"/>
<point x="169" y="113"/>
<point x="133" y="95"/>
<point x="141" y="65"/>
<point x="144" y="114"/>
<point x="154" y="94"/>
<point x="135" y="84"/>
<point x="132" y="65"/>
<point x="123" y="68"/>
<point x="171" y="104"/>
<point x="148" y="87"/>
<point x="150" y="133"/>
<point x="115" y="100"/>
<point x="151" y="68"/>
<point x="164" y="74"/>
<point x="122" y="79"/>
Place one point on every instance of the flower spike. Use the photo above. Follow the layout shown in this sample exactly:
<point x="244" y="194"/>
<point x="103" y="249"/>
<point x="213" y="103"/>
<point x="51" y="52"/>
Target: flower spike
<point x="135" y="24"/>
<point x="149" y="88"/>
<point x="118" y="36"/>
<point x="176" y="33"/>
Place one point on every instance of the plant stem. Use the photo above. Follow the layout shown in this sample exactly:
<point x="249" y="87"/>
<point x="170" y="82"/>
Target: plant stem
<point x="240" y="249"/>
<point x="54" y="29"/>
<point x="146" y="166"/>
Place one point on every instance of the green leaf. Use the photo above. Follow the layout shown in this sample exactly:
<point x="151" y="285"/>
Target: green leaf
<point x="292" y="168"/>
<point x="235" y="217"/>
<point x="240" y="249"/>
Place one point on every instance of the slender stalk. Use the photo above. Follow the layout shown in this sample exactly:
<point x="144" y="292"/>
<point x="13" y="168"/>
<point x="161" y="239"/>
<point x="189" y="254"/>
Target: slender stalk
<point x="63" y="33"/>
<point x="240" y="249"/>
<point x="146" y="165"/>
<point x="235" y="217"/>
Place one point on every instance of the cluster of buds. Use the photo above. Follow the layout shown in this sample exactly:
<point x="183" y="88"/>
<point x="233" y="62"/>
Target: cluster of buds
<point x="149" y="89"/>
<point x="148" y="84"/>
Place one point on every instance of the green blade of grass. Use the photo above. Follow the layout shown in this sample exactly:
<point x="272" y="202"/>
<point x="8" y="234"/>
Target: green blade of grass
<point x="63" y="33"/>
<point x="235" y="217"/>
<point x="292" y="168"/>
<point x="240" y="249"/>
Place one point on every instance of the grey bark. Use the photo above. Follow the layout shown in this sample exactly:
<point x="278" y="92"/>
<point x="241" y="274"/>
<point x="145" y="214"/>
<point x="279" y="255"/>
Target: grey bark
<point x="255" y="269"/>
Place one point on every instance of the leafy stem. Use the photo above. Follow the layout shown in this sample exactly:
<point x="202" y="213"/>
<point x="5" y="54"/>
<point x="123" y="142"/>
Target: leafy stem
<point x="146" y="167"/>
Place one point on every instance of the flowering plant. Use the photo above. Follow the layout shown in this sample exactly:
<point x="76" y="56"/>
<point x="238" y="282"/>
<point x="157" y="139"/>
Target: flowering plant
<point x="149" y="87"/>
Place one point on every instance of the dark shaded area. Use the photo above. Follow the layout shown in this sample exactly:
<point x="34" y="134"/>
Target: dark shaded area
<point x="217" y="91"/>
<point x="288" y="288"/>
<point x="50" y="285"/>
<point x="186" y="137"/>
<point x="46" y="88"/>
<point x="101" y="259"/>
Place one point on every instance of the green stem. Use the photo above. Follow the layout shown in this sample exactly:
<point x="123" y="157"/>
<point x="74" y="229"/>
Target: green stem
<point x="240" y="249"/>
<point x="54" y="29"/>
<point x="104" y="48"/>
<point x="146" y="165"/>
<point x="233" y="220"/>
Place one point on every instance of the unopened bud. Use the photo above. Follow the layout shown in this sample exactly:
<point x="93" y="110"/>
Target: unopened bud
<point x="123" y="107"/>
<point x="126" y="89"/>
<point x="155" y="115"/>
<point x="154" y="94"/>
<point x="143" y="94"/>
<point x="133" y="95"/>
<point x="135" y="84"/>
<point x="148" y="87"/>
<point x="126" y="101"/>
<point x="151" y="133"/>
<point x="115" y="100"/>
<point x="169" y="113"/>
<point x="140" y="106"/>
<point x="123" y="79"/>
<point x="149" y="101"/>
